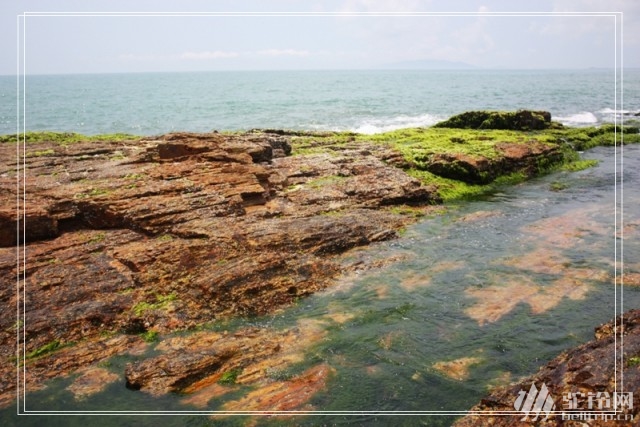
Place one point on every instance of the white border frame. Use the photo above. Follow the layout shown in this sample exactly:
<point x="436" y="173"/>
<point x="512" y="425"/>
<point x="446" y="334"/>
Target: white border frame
<point x="21" y="127"/>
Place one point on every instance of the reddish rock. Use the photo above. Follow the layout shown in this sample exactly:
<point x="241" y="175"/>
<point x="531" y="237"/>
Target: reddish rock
<point x="589" y="368"/>
<point x="462" y="167"/>
<point x="190" y="364"/>
<point x="92" y="381"/>
<point x="166" y="233"/>
<point x="530" y="158"/>
<point x="285" y="395"/>
<point x="175" y="231"/>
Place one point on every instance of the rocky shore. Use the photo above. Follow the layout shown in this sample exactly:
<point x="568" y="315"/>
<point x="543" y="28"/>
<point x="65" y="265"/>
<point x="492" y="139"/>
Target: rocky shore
<point x="131" y="239"/>
<point x="586" y="371"/>
<point x="157" y="235"/>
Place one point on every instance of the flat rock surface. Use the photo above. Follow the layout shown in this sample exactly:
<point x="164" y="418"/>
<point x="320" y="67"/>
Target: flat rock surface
<point x="170" y="232"/>
<point x="123" y="243"/>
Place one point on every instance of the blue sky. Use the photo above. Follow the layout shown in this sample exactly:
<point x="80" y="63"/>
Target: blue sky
<point x="93" y="44"/>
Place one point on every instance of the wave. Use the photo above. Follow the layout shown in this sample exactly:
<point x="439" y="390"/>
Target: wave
<point x="618" y="112"/>
<point x="611" y="115"/>
<point x="583" y="118"/>
<point x="372" y="126"/>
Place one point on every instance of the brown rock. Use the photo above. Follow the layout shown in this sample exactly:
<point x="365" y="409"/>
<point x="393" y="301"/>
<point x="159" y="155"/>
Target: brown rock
<point x="92" y="381"/>
<point x="462" y="167"/>
<point x="170" y="232"/>
<point x="529" y="157"/>
<point x="589" y="368"/>
<point x="189" y="364"/>
<point x="285" y="395"/>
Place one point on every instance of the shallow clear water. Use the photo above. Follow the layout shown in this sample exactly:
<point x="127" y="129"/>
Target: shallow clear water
<point x="362" y="101"/>
<point x="505" y="283"/>
<point x="529" y="276"/>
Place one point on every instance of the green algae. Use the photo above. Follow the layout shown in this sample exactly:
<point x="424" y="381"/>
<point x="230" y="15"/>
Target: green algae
<point x="419" y="144"/>
<point x="451" y="190"/>
<point x="581" y="139"/>
<point x="64" y="138"/>
<point x="230" y="377"/>
<point x="40" y="153"/>
<point x="330" y="143"/>
<point x="522" y="120"/>
<point x="473" y="134"/>
<point x="45" y="349"/>
<point x="578" y="165"/>
<point x="558" y="186"/>
<point x="325" y="180"/>
<point x="150" y="336"/>
<point x="475" y="140"/>
<point x="162" y="302"/>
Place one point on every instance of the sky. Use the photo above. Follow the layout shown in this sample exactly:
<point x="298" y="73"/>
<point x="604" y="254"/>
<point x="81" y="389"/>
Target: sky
<point x="335" y="34"/>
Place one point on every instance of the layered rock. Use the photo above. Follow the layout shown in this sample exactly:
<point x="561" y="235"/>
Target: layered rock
<point x="126" y="240"/>
<point x="166" y="233"/>
<point x="529" y="158"/>
<point x="607" y="364"/>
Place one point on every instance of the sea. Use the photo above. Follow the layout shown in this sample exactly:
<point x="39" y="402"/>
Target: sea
<point x="367" y="102"/>
<point x="497" y="286"/>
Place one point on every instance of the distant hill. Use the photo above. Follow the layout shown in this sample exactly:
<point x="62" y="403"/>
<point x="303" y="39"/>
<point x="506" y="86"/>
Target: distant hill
<point x="429" y="64"/>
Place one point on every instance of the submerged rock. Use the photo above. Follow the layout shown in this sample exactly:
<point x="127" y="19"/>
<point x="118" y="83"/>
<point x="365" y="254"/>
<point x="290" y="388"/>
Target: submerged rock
<point x="92" y="381"/>
<point x="130" y="240"/>
<point x="290" y="395"/>
<point x="162" y="234"/>
<point x="191" y="364"/>
<point x="592" y="368"/>
<point x="457" y="369"/>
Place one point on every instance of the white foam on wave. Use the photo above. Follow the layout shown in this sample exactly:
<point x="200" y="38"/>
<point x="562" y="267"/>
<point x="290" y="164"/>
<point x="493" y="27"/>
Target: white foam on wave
<point x="372" y="126"/>
<point x="612" y="111"/>
<point x="583" y="118"/>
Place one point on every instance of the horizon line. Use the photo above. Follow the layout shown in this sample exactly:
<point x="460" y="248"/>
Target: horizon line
<point x="388" y="68"/>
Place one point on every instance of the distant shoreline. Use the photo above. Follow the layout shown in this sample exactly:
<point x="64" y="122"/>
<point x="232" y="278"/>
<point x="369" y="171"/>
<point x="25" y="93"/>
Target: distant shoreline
<point x="382" y="69"/>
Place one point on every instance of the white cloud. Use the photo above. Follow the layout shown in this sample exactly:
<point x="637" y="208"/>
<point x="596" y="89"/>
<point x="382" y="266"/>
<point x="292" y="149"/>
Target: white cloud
<point x="352" y="6"/>
<point x="283" y="52"/>
<point x="475" y="37"/>
<point x="627" y="6"/>
<point x="139" y="57"/>
<point x="580" y="26"/>
<point x="205" y="55"/>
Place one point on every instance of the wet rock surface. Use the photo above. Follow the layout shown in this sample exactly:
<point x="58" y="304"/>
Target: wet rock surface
<point x="167" y="233"/>
<point x="125" y="242"/>
<point x="589" y="368"/>
<point x="528" y="158"/>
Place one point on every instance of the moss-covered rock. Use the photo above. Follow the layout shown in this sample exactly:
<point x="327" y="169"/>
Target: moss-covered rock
<point x="466" y="163"/>
<point x="606" y="135"/>
<point x="64" y="138"/>
<point x="508" y="120"/>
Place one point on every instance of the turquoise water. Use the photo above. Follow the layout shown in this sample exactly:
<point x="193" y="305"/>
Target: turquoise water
<point x="363" y="101"/>
<point x="426" y="309"/>
<point x="403" y="320"/>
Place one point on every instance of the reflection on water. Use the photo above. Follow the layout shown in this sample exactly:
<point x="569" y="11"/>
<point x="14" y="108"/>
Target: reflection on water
<point x="477" y="297"/>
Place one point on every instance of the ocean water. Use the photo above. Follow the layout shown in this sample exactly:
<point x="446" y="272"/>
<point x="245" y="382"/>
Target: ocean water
<point x="506" y="292"/>
<point x="405" y="320"/>
<point x="361" y="101"/>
